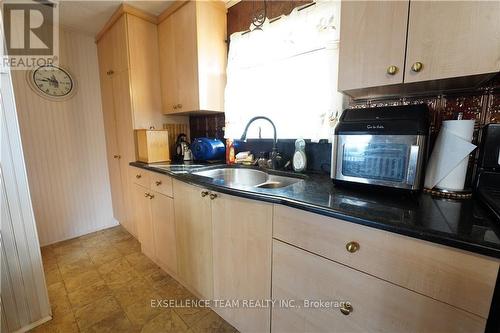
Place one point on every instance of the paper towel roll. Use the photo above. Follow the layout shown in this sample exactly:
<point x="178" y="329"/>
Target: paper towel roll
<point x="447" y="166"/>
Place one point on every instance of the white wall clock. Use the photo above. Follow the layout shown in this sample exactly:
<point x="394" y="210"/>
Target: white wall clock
<point x="52" y="82"/>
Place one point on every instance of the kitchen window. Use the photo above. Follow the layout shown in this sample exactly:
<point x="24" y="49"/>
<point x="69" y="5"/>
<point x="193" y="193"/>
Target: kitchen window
<point x="287" y="71"/>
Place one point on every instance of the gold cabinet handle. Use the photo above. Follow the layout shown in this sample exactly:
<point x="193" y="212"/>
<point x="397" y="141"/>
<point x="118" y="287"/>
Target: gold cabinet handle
<point x="110" y="72"/>
<point x="151" y="196"/>
<point x="179" y="106"/>
<point x="146" y="194"/>
<point x="158" y="182"/>
<point x="204" y="193"/>
<point x="417" y="67"/>
<point x="352" y="247"/>
<point x="392" y="70"/>
<point x="138" y="176"/>
<point x="346" y="309"/>
<point x="213" y="196"/>
<point x="117" y="156"/>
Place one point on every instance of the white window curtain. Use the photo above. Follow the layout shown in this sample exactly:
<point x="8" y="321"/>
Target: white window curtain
<point x="288" y="72"/>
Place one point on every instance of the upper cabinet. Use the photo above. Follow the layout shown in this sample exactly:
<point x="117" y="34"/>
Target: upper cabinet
<point x="130" y="43"/>
<point x="193" y="56"/>
<point x="373" y="39"/>
<point x="391" y="43"/>
<point x="451" y="39"/>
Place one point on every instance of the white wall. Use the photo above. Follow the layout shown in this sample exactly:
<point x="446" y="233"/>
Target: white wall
<point x="65" y="148"/>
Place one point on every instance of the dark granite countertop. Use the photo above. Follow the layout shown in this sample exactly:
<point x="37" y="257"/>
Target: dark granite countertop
<point x="464" y="224"/>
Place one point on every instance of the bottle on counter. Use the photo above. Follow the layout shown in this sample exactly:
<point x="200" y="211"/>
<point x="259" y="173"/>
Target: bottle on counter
<point x="230" y="153"/>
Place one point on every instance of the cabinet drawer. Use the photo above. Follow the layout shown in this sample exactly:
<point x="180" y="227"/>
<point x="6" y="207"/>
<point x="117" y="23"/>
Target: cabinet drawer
<point x="377" y="305"/>
<point x="161" y="183"/>
<point x="462" y="279"/>
<point x="140" y="176"/>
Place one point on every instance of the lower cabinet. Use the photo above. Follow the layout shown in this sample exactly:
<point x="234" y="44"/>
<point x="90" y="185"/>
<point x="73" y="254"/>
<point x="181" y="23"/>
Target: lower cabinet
<point x="242" y="243"/>
<point x="193" y="226"/>
<point x="143" y="221"/>
<point x="154" y="218"/>
<point x="162" y="216"/>
<point x="374" y="305"/>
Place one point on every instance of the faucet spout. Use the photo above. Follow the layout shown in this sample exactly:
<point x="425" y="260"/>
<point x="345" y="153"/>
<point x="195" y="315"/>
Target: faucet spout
<point x="274" y="154"/>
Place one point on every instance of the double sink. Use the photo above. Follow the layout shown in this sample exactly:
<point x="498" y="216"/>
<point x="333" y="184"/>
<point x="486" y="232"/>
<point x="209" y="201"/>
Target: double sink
<point x="236" y="177"/>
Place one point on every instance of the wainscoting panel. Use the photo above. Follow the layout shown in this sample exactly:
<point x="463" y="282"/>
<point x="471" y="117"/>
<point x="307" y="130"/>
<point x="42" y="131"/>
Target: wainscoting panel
<point x="65" y="148"/>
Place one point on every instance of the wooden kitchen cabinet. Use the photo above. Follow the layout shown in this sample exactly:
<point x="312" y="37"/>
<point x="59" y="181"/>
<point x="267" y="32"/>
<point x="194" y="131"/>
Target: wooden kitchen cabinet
<point x="452" y="38"/>
<point x="375" y="305"/>
<point x="193" y="56"/>
<point x="389" y="45"/>
<point x="162" y="214"/>
<point x="242" y="242"/>
<point x="129" y="74"/>
<point x="372" y="39"/>
<point x="193" y="228"/>
<point x="142" y="198"/>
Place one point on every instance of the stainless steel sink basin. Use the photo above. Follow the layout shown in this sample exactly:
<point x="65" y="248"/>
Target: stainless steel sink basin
<point x="247" y="177"/>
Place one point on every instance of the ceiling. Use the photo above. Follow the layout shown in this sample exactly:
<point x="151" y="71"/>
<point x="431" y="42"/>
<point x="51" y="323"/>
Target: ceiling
<point x="90" y="16"/>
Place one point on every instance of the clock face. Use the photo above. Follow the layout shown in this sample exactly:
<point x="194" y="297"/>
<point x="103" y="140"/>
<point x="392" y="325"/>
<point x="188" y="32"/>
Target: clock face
<point x="52" y="81"/>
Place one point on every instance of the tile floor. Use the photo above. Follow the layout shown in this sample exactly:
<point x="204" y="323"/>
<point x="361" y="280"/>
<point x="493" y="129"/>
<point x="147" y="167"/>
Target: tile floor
<point x="101" y="282"/>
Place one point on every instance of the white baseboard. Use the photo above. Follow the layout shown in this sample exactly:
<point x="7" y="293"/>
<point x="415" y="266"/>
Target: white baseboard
<point x="33" y="325"/>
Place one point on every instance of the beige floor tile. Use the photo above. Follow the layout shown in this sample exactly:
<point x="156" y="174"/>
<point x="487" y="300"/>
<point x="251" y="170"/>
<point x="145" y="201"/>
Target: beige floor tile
<point x="56" y="290"/>
<point x="67" y="324"/>
<point x="96" y="311"/>
<point x="212" y="323"/>
<point x="173" y="290"/>
<point x="80" y="280"/>
<point x="60" y="306"/>
<point x="102" y="255"/>
<point x="128" y="246"/>
<point x="76" y="267"/>
<point x="140" y="312"/>
<point x="88" y="294"/>
<point x="191" y="315"/>
<point x="117" y="273"/>
<point x="118" y="323"/>
<point x="141" y="263"/>
<point x="72" y="256"/>
<point x="66" y="246"/>
<point x="131" y="292"/>
<point x="167" y="321"/>
<point x="157" y="278"/>
<point x="49" y="263"/>
<point x="53" y="276"/>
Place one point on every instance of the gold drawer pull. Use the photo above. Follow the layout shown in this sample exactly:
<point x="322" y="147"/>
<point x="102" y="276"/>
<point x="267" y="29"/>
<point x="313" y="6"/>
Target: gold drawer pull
<point x="352" y="247"/>
<point x="417" y="67"/>
<point x="146" y="194"/>
<point x="204" y="193"/>
<point x="346" y="309"/>
<point x="117" y="156"/>
<point x="179" y="106"/>
<point x="158" y="182"/>
<point x="213" y="196"/>
<point x="138" y="176"/>
<point x="392" y="70"/>
<point x="151" y="196"/>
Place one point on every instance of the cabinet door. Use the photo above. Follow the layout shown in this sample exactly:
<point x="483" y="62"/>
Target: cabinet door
<point x="452" y="39"/>
<point x="162" y="213"/>
<point x="125" y="139"/>
<point x="142" y="216"/>
<point x="144" y="73"/>
<point x="377" y="305"/>
<point x="193" y="226"/>
<point x="186" y="59"/>
<point x="119" y="48"/>
<point x="112" y="151"/>
<point x="242" y="236"/>
<point x="168" y="74"/>
<point x="372" y="38"/>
